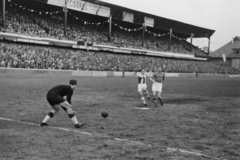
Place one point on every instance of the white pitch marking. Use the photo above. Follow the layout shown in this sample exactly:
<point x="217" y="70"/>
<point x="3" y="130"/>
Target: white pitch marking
<point x="142" y="108"/>
<point x="34" y="124"/>
<point x="117" y="139"/>
<point x="126" y="140"/>
<point x="87" y="133"/>
<point x="189" y="152"/>
<point x="71" y="130"/>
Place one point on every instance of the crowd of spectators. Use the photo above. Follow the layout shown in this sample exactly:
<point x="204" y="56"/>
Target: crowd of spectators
<point x="17" y="55"/>
<point x="46" y="25"/>
<point x="51" y="25"/>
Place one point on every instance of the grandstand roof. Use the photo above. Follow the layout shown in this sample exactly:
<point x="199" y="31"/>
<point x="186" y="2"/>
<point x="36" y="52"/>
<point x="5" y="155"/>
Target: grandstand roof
<point x="228" y="49"/>
<point x="182" y="30"/>
<point x="161" y="25"/>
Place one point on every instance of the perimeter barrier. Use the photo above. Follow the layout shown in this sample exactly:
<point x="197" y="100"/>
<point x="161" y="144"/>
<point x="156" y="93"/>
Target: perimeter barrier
<point x="24" y="71"/>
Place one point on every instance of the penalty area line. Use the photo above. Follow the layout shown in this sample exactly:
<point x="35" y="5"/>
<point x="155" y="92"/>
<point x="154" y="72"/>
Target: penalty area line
<point x="117" y="139"/>
<point x="34" y="124"/>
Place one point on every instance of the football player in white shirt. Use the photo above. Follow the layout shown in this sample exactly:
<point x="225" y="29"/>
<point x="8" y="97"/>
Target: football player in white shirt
<point x="142" y="86"/>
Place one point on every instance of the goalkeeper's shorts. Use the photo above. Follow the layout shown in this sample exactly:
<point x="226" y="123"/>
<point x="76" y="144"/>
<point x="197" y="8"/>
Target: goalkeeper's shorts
<point x="54" y="98"/>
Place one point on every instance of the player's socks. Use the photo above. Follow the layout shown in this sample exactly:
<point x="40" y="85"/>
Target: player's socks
<point x="49" y="116"/>
<point x="155" y="102"/>
<point x="46" y="119"/>
<point x="73" y="118"/>
<point x="143" y="99"/>
<point x="148" y="95"/>
<point x="160" y="99"/>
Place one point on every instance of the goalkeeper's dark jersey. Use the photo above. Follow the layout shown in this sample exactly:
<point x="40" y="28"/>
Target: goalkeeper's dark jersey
<point x="63" y="90"/>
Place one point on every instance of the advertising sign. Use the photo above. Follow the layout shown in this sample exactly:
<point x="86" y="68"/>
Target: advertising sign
<point x="82" y="6"/>
<point x="149" y="21"/>
<point x="128" y="17"/>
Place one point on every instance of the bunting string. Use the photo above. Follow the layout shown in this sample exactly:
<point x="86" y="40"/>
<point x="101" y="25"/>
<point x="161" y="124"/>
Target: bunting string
<point x="88" y="23"/>
<point x="156" y="34"/>
<point x="127" y="29"/>
<point x="34" y="11"/>
<point x="179" y="38"/>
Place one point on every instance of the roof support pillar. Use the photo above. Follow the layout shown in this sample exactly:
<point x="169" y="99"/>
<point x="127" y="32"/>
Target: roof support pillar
<point x="192" y="35"/>
<point x="143" y="33"/>
<point x="209" y="42"/>
<point x="65" y="17"/>
<point x="170" y="39"/>
<point x="109" y="28"/>
<point x="3" y="13"/>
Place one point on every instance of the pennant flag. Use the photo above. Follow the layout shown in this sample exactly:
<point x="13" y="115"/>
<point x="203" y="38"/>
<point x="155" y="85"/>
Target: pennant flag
<point x="224" y="58"/>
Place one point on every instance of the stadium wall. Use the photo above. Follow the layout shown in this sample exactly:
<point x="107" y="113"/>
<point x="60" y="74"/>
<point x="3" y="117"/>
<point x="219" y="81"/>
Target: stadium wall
<point x="19" y="71"/>
<point x="90" y="73"/>
<point x="212" y="75"/>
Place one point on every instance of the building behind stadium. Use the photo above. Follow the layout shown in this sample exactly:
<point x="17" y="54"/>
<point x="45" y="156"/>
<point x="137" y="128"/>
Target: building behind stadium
<point x="230" y="52"/>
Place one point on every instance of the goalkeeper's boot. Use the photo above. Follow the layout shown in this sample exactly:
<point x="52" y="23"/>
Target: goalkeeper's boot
<point x="80" y="125"/>
<point x="44" y="124"/>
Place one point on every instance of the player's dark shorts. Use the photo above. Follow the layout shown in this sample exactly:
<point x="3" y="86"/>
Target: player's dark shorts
<point x="54" y="98"/>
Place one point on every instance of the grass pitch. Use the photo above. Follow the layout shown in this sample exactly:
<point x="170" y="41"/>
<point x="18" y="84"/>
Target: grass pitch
<point x="200" y="115"/>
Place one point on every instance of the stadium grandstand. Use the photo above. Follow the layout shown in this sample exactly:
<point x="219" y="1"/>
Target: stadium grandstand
<point x="95" y="35"/>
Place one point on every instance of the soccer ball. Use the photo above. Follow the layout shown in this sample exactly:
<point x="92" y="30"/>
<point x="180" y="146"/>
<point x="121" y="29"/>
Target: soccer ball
<point x="104" y="114"/>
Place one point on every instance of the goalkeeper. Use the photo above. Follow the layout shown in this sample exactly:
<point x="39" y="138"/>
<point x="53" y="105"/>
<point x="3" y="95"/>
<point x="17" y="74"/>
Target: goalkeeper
<point x="56" y="100"/>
